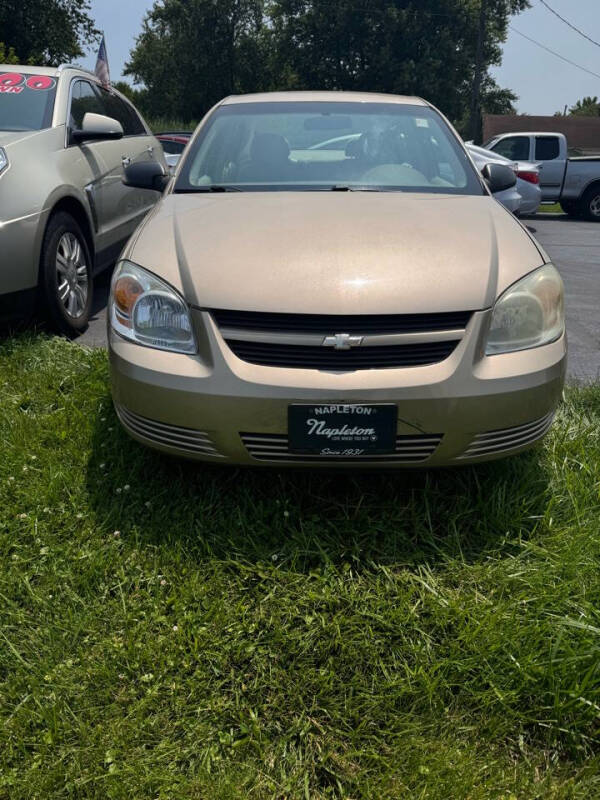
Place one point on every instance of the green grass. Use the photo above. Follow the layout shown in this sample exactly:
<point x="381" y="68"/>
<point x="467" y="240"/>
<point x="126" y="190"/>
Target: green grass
<point x="173" y="630"/>
<point x="553" y="208"/>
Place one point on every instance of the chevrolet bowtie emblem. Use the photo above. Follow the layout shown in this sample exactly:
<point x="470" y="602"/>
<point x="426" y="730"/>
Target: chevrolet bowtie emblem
<point x="342" y="341"/>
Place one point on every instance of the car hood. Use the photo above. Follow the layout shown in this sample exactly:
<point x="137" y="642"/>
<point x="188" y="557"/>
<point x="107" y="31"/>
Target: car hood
<point x="335" y="253"/>
<point x="12" y="137"/>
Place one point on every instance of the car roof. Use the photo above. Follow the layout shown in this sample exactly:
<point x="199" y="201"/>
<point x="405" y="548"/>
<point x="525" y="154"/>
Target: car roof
<point x="54" y="72"/>
<point x="525" y="133"/>
<point x="328" y="97"/>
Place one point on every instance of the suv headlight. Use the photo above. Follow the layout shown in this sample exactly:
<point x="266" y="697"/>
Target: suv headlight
<point x="148" y="311"/>
<point x="528" y="314"/>
<point x="3" y="160"/>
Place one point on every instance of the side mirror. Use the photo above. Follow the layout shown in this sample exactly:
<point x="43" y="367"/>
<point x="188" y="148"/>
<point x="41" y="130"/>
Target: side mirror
<point x="146" y="175"/>
<point x="96" y="127"/>
<point x="499" y="177"/>
<point x="172" y="160"/>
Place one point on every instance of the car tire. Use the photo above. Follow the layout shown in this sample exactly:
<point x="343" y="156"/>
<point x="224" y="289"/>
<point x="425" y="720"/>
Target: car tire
<point x="569" y="207"/>
<point x="66" y="275"/>
<point x="589" y="204"/>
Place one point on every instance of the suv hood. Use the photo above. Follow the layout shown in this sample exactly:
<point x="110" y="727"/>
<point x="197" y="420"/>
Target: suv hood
<point x="335" y="253"/>
<point x="11" y="137"/>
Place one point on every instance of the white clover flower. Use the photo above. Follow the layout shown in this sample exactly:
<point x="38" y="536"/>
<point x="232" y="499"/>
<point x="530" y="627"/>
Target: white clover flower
<point x="126" y="488"/>
<point x="119" y="490"/>
<point x="116" y="533"/>
<point x="175" y="628"/>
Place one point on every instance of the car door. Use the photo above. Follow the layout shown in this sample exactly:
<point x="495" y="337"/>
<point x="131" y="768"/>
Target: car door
<point x="91" y="163"/>
<point x="552" y="168"/>
<point x="515" y="148"/>
<point x="129" y="205"/>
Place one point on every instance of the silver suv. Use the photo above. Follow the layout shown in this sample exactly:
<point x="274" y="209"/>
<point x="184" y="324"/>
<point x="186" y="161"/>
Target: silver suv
<point x="65" y="212"/>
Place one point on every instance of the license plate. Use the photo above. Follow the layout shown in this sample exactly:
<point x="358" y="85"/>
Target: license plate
<point x="342" y="430"/>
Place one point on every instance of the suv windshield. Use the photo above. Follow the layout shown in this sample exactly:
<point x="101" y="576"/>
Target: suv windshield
<point x="26" y="101"/>
<point x="303" y="146"/>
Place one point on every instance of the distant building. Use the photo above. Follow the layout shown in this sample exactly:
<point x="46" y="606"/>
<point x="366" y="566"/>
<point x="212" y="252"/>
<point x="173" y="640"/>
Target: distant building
<point x="583" y="133"/>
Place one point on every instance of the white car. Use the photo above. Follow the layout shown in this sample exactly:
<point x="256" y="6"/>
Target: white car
<point x="510" y="198"/>
<point x="528" y="177"/>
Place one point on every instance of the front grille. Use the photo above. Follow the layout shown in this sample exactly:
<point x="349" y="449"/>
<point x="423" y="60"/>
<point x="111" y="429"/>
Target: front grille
<point x="381" y="341"/>
<point x="325" y="358"/>
<point x="187" y="439"/>
<point x="410" y="449"/>
<point x="346" y="323"/>
<point x="506" y="439"/>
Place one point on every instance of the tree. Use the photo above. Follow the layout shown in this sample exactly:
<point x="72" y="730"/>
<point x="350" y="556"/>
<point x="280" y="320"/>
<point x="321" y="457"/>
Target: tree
<point x="8" y="55"/>
<point x="190" y="55"/>
<point x="587" y="107"/>
<point x="46" y="32"/>
<point x="128" y="90"/>
<point x="425" y="47"/>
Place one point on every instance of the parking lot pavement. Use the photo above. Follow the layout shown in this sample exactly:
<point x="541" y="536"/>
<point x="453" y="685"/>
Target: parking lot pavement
<point x="574" y="247"/>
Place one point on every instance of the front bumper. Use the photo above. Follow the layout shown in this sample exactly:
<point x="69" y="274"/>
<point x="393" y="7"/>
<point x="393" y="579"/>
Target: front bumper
<point x="20" y="242"/>
<point x="199" y="406"/>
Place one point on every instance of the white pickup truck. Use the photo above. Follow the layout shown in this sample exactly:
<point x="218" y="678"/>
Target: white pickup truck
<point x="572" y="182"/>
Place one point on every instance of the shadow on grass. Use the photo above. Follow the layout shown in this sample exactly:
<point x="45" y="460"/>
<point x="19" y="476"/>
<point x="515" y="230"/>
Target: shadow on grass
<point x="308" y="519"/>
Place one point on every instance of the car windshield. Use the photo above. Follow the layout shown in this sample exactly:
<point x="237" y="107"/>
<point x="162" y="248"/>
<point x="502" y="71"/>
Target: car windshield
<point x="304" y="146"/>
<point x="26" y="101"/>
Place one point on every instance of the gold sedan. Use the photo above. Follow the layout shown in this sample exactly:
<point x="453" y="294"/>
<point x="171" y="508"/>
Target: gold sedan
<point x="328" y="279"/>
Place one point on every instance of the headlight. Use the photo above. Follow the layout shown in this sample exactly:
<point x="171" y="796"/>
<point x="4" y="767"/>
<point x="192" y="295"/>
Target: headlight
<point x="149" y="311"/>
<point x="530" y="313"/>
<point x="3" y="160"/>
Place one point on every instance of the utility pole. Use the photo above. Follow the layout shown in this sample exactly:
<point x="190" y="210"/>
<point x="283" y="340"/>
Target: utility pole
<point x="478" y="75"/>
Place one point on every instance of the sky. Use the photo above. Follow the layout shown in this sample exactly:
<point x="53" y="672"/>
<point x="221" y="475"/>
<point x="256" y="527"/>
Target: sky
<point x="542" y="81"/>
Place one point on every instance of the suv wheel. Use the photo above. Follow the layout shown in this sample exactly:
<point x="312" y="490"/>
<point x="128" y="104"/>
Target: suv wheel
<point x="66" y="275"/>
<point x="589" y="205"/>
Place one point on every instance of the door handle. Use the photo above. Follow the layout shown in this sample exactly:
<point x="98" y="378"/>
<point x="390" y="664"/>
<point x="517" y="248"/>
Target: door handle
<point x="125" y="160"/>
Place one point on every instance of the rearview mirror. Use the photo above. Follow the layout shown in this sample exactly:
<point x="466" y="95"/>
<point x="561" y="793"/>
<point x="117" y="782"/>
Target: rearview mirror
<point x="96" y="127"/>
<point x="499" y="177"/>
<point x="146" y="175"/>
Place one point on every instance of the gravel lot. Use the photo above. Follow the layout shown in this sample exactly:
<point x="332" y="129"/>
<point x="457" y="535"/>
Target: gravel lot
<point x="575" y="249"/>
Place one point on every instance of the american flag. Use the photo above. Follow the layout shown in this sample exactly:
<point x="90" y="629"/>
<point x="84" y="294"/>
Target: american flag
<point x="101" y="70"/>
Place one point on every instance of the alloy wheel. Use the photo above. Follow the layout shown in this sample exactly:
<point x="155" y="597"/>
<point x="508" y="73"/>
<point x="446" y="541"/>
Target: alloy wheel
<point x="71" y="275"/>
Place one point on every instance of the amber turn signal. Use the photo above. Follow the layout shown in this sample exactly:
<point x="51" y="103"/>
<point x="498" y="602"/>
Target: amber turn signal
<point x="126" y="292"/>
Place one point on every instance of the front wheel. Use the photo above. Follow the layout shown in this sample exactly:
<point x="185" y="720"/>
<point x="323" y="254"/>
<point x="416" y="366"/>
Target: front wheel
<point x="66" y="275"/>
<point x="569" y="207"/>
<point x="589" y="205"/>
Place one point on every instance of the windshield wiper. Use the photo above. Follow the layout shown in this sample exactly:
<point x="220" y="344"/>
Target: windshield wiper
<point x="213" y="188"/>
<point x="345" y="188"/>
